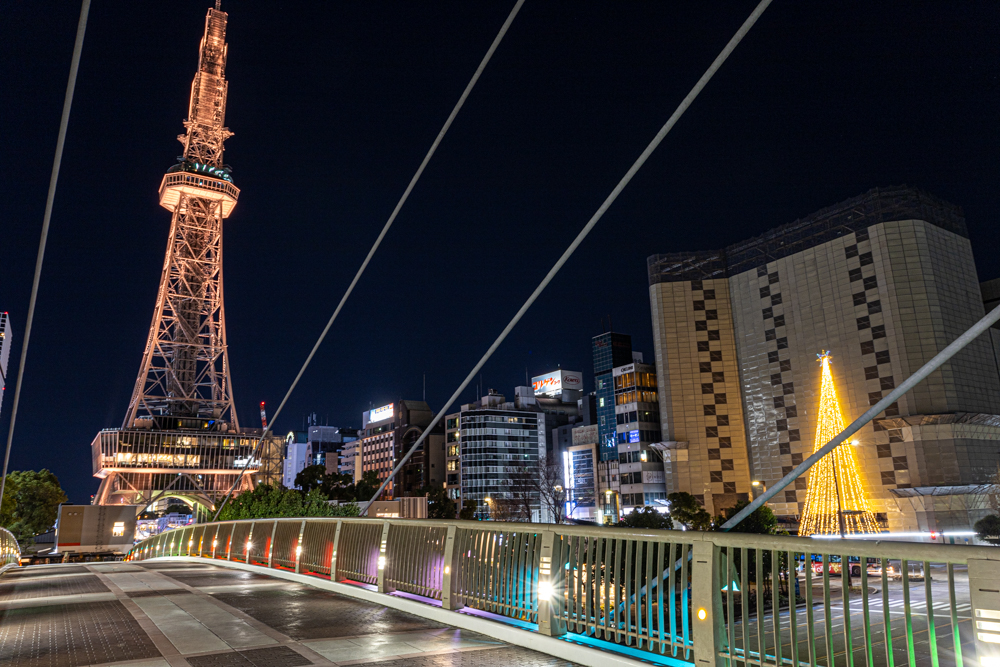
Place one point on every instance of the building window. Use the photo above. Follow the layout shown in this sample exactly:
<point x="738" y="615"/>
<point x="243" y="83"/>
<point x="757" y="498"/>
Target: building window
<point x="118" y="530"/>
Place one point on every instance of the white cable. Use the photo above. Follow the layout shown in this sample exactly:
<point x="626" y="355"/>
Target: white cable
<point x="74" y="66"/>
<point x="378" y="241"/>
<point x="685" y="103"/>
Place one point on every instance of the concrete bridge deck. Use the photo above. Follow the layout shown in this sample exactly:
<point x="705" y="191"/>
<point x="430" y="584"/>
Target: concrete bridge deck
<point x="180" y="614"/>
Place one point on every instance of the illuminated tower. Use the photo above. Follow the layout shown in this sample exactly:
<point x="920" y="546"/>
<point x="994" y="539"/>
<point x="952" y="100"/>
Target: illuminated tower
<point x="836" y="501"/>
<point x="181" y="436"/>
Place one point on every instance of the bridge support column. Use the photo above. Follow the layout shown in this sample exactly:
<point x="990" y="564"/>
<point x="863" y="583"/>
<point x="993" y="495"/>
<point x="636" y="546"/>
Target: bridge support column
<point x="708" y="625"/>
<point x="551" y="579"/>
<point x="447" y="602"/>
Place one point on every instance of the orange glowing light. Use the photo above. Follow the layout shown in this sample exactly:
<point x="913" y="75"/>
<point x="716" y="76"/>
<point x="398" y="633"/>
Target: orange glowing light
<point x="836" y="472"/>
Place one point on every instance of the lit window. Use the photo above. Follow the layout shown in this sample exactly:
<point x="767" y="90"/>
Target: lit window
<point x="118" y="530"/>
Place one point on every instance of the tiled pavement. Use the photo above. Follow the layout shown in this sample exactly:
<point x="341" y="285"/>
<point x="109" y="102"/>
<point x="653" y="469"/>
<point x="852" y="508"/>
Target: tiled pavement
<point x="201" y="615"/>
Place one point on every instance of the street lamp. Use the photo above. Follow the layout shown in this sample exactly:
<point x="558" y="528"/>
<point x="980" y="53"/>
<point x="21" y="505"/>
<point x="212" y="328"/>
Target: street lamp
<point x="489" y="508"/>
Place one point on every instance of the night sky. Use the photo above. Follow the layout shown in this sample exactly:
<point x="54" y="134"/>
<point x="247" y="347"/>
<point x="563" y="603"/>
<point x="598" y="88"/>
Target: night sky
<point x="333" y="106"/>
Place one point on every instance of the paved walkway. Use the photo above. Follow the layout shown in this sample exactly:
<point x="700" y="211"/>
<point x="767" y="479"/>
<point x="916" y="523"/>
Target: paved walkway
<point x="201" y="615"/>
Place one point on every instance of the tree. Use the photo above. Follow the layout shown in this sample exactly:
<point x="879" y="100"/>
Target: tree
<point x="439" y="505"/>
<point x="366" y="488"/>
<point x="537" y="486"/>
<point x="646" y="517"/>
<point x="685" y="509"/>
<point x="760" y="522"/>
<point x="988" y="529"/>
<point x="311" y="477"/>
<point x="468" y="511"/>
<point x="36" y="499"/>
<point x="267" y="502"/>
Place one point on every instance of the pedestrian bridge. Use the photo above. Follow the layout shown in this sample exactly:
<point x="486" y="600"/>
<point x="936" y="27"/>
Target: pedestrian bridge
<point x="346" y="591"/>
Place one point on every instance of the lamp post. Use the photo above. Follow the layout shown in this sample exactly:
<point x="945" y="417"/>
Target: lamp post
<point x="558" y="504"/>
<point x="489" y="508"/>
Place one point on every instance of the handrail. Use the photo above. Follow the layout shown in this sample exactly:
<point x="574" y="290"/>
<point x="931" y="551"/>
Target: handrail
<point x="679" y="594"/>
<point x="939" y="553"/>
<point x="10" y="550"/>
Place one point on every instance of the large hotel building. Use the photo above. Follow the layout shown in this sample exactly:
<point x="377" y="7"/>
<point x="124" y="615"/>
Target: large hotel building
<point x="883" y="281"/>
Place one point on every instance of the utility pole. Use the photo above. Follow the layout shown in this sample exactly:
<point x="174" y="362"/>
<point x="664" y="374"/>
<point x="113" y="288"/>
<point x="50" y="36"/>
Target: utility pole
<point x="845" y="568"/>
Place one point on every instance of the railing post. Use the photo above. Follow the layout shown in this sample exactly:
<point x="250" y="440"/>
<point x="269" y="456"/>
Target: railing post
<point x="382" y="587"/>
<point x="229" y="541"/>
<point x="298" y="546"/>
<point x="333" y="558"/>
<point x="551" y="575"/>
<point x="270" y="545"/>
<point x="708" y="628"/>
<point x="449" y="567"/>
<point x="246" y="549"/>
<point x="983" y="578"/>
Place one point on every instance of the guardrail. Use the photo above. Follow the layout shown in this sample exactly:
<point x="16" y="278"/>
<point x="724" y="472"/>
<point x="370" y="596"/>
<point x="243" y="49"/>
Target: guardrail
<point x="10" y="550"/>
<point x="697" y="597"/>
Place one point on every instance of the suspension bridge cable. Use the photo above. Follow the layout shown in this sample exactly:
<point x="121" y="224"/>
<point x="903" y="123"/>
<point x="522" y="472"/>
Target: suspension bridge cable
<point x="682" y="107"/>
<point x="378" y="241"/>
<point x="74" y="66"/>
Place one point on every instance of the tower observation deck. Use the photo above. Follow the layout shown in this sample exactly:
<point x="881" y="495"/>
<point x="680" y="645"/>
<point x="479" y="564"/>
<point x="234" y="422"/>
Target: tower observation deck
<point x="181" y="437"/>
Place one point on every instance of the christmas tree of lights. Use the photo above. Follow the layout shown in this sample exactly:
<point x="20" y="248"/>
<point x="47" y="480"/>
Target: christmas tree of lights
<point x="835" y="500"/>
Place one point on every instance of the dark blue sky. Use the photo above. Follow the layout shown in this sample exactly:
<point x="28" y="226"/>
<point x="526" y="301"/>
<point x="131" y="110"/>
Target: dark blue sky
<point x="334" y="104"/>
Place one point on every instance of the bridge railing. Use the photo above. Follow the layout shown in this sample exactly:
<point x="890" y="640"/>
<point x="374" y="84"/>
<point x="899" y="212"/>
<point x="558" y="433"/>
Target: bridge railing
<point x="10" y="550"/>
<point x="698" y="597"/>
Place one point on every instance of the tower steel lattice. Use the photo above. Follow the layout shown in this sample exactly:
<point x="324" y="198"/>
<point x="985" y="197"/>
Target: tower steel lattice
<point x="181" y="436"/>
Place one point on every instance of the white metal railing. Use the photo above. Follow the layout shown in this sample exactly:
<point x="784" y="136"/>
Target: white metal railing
<point x="699" y="597"/>
<point x="10" y="550"/>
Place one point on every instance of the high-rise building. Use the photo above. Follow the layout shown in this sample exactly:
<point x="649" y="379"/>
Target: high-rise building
<point x="883" y="281"/>
<point x="327" y="444"/>
<point x="4" y="353"/>
<point x="610" y="350"/>
<point x="387" y="434"/>
<point x="298" y="455"/>
<point x="181" y="436"/>
<point x="637" y="421"/>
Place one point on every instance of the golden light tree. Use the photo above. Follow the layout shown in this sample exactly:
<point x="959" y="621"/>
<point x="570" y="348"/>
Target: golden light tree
<point x="836" y="489"/>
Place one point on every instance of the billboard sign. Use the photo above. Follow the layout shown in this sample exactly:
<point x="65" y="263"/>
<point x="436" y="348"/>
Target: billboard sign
<point x="622" y="370"/>
<point x="553" y="384"/>
<point x="381" y="414"/>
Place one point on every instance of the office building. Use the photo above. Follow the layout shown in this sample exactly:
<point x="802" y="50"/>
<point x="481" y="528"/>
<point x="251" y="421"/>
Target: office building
<point x="486" y="440"/>
<point x="4" y="354"/>
<point x="609" y="350"/>
<point x="387" y="434"/>
<point x="637" y="424"/>
<point x="592" y="485"/>
<point x="883" y="281"/>
<point x="327" y="444"/>
<point x="298" y="455"/>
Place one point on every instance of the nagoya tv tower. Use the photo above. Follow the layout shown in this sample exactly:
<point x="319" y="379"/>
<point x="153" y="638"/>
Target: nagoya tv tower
<point x="181" y="437"/>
